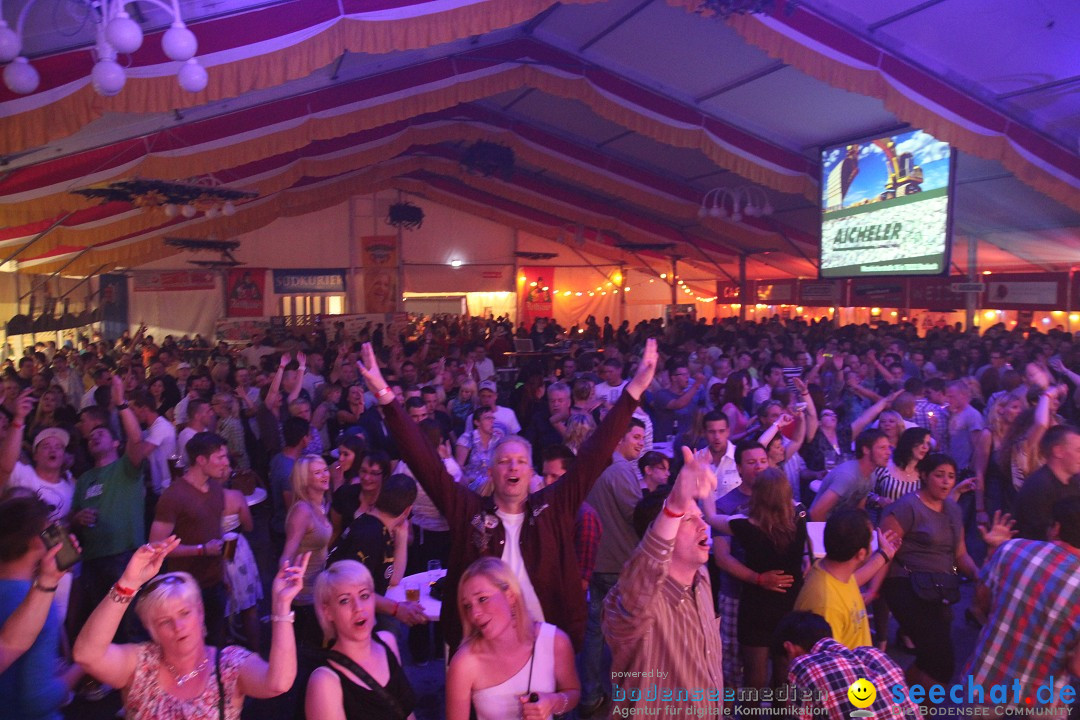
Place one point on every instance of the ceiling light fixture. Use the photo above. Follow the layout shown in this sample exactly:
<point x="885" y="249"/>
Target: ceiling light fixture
<point x="116" y="34"/>
<point x="749" y="200"/>
<point x="186" y="198"/>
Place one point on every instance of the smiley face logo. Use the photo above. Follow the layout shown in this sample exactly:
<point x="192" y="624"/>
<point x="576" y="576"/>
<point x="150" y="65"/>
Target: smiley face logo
<point x="862" y="693"/>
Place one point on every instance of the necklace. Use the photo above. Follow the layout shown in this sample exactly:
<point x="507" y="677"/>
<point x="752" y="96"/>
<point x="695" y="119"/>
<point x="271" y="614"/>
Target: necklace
<point x="181" y="680"/>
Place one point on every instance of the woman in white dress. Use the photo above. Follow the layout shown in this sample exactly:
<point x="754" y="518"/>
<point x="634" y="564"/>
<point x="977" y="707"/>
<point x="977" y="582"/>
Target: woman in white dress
<point x="508" y="666"/>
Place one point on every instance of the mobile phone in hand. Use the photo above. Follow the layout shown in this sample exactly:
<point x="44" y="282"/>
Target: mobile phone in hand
<point x="56" y="534"/>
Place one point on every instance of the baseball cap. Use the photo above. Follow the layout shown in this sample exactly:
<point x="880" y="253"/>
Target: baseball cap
<point x="47" y="433"/>
<point x="183" y="366"/>
<point x="488" y="385"/>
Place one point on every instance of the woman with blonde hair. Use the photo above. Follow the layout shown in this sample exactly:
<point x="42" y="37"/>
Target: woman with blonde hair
<point x="308" y="530"/>
<point x="508" y="666"/>
<point x="362" y="675"/>
<point x="579" y="426"/>
<point x="461" y="407"/>
<point x="176" y="675"/>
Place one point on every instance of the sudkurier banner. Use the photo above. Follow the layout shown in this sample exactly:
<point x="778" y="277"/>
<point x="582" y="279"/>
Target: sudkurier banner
<point x="300" y="282"/>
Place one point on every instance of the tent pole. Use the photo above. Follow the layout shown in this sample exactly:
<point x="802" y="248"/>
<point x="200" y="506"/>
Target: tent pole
<point x="970" y="299"/>
<point x="622" y="296"/>
<point x="744" y="296"/>
<point x="514" y="285"/>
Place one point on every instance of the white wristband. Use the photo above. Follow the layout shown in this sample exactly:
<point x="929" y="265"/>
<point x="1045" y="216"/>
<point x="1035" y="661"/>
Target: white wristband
<point x="290" y="618"/>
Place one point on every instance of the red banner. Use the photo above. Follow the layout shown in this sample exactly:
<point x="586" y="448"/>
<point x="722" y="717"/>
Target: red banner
<point x="244" y="290"/>
<point x="174" y="280"/>
<point x="380" y="259"/>
<point x="534" y="293"/>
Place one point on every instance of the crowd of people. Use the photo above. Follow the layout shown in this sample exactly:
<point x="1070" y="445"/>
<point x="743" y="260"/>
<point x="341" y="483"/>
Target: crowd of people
<point x="626" y="518"/>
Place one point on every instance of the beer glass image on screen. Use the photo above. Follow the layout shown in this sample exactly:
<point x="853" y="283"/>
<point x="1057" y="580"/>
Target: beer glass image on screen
<point x="885" y="206"/>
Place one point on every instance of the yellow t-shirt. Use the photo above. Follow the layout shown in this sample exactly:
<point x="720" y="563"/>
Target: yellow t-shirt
<point x="839" y="603"/>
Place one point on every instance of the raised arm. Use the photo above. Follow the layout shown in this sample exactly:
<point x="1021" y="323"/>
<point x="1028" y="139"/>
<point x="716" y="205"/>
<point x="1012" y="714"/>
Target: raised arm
<point x="137" y="449"/>
<point x="12" y="446"/>
<point x="424" y="460"/>
<point x="649" y="564"/>
<point x="595" y="453"/>
<point x="21" y="628"/>
<point x="94" y="650"/>
<point x="870" y="414"/>
<point x="811" y="409"/>
<point x="260" y="679"/>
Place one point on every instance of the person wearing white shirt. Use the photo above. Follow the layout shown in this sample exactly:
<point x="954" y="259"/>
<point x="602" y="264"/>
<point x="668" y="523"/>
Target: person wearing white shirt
<point x="482" y="364"/>
<point x="46" y="477"/>
<point x="719" y="453"/>
<point x="505" y="419"/>
<point x="159" y="433"/>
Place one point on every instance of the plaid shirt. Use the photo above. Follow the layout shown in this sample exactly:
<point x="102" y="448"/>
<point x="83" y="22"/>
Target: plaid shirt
<point x="830" y="669"/>
<point x="587" y="532"/>
<point x="935" y="419"/>
<point x="1034" y="617"/>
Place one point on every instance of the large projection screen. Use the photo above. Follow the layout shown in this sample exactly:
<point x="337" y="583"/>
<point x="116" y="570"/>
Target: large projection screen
<point x="885" y="206"/>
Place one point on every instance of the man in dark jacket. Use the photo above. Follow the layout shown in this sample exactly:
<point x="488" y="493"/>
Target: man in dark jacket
<point x="534" y="534"/>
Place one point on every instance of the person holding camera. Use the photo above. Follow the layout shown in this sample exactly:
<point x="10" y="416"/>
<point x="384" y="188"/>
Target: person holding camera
<point x="30" y="682"/>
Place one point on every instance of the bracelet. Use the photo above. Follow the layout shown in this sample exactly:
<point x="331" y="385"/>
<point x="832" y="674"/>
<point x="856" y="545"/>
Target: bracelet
<point x="122" y="406"/>
<point x="121" y="590"/>
<point x="883" y="555"/>
<point x="564" y="703"/>
<point x="290" y="618"/>
<point x="117" y="597"/>
<point x="757" y="580"/>
<point x="671" y="513"/>
<point x="43" y="588"/>
<point x="16" y="424"/>
<point x="383" y="392"/>
<point x="394" y="612"/>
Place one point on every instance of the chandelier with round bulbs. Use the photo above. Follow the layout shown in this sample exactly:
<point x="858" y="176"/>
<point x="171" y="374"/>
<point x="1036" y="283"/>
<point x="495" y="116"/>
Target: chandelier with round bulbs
<point x="116" y="34"/>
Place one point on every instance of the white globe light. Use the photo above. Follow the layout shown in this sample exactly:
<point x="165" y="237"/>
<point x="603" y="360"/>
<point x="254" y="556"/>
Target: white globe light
<point x="192" y="76"/>
<point x="716" y="211"/>
<point x="213" y="212"/>
<point x="228" y="209"/>
<point x="10" y="46"/>
<point x="171" y="210"/>
<point x="108" y="77"/>
<point x="188" y="211"/>
<point x="123" y="33"/>
<point x="179" y="43"/>
<point x="21" y="77"/>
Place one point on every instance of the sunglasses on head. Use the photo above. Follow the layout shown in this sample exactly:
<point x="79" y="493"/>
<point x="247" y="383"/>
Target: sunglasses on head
<point x="160" y="580"/>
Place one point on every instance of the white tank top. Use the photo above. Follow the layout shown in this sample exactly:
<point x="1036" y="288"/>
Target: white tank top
<point x="500" y="702"/>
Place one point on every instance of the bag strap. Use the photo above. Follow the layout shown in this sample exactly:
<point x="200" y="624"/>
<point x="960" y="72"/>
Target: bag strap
<point x="220" y="684"/>
<point x="346" y="662"/>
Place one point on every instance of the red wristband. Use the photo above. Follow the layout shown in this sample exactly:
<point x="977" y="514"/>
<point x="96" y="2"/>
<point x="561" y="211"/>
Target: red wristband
<point x="670" y="513"/>
<point x="123" y="591"/>
<point x="394" y="614"/>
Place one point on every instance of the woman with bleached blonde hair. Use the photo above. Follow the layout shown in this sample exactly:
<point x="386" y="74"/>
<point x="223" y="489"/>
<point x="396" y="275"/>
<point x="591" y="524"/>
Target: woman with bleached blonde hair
<point x="508" y="666"/>
<point x="362" y="675"/>
<point x="177" y="674"/>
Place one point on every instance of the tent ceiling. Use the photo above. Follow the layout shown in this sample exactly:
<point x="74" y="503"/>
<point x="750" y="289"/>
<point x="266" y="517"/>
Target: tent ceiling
<point x="636" y="108"/>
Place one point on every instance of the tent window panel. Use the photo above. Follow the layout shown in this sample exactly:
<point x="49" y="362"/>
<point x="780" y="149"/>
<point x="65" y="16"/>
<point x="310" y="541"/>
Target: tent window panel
<point x="335" y="304"/>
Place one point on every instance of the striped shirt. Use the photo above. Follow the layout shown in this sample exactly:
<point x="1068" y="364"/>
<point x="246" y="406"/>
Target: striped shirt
<point x="1034" y="619"/>
<point x="654" y="626"/>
